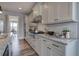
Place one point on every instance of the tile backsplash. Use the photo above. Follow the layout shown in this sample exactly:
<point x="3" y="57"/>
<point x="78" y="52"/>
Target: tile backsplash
<point x="59" y="27"/>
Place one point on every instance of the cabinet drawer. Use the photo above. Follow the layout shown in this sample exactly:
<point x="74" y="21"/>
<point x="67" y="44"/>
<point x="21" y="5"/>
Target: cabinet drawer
<point x="46" y="42"/>
<point x="57" y="51"/>
<point x="58" y="46"/>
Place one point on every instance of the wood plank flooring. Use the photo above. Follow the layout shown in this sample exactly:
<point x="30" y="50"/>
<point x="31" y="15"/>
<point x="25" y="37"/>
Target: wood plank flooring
<point x="21" y="47"/>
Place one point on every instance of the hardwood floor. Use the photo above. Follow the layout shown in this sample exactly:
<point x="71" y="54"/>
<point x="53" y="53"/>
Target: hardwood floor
<point x="21" y="47"/>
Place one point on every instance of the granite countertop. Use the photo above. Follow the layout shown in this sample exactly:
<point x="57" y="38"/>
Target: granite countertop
<point x="3" y="43"/>
<point x="60" y="40"/>
<point x="53" y="38"/>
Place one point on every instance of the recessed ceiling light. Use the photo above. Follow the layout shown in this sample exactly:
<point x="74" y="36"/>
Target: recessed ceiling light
<point x="19" y="8"/>
<point x="0" y="12"/>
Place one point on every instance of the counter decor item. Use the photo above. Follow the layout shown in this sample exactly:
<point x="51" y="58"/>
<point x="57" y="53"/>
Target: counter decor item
<point x="50" y="32"/>
<point x="66" y="33"/>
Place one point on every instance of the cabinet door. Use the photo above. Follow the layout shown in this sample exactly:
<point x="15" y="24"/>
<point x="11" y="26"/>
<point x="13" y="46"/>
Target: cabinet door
<point x="57" y="49"/>
<point x="52" y="12"/>
<point x="38" y="45"/>
<point x="43" y="47"/>
<point x="45" y="13"/>
<point x="33" y="43"/>
<point x="56" y="52"/>
<point x="49" y="51"/>
<point x="64" y="11"/>
<point x="40" y="8"/>
<point x="36" y="10"/>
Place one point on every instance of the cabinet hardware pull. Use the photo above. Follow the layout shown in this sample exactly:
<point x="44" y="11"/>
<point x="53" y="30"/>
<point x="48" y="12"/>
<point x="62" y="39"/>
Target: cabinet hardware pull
<point x="48" y="47"/>
<point x="55" y="45"/>
<point x="44" y="40"/>
<point x="55" y="19"/>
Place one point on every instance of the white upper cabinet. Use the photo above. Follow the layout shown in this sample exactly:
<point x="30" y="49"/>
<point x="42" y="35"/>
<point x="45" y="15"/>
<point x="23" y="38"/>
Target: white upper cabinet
<point x="44" y="13"/>
<point x="64" y="11"/>
<point x="30" y="17"/>
<point x="52" y="12"/>
<point x="58" y="12"/>
<point x="37" y="10"/>
<point x="40" y="9"/>
<point x="55" y="12"/>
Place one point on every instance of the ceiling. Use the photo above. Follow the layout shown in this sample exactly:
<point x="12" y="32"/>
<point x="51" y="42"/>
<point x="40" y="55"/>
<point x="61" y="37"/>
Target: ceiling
<point x="13" y="6"/>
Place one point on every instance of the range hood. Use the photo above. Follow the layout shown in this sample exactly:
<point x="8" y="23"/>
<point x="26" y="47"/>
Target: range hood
<point x="37" y="19"/>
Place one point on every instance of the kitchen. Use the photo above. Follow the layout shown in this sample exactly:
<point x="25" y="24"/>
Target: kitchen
<point x="50" y="28"/>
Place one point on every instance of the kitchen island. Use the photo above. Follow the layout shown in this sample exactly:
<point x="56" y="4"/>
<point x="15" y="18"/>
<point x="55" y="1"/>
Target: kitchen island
<point x="3" y="44"/>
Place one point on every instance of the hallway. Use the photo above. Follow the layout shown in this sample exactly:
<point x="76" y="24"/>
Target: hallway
<point x="21" y="47"/>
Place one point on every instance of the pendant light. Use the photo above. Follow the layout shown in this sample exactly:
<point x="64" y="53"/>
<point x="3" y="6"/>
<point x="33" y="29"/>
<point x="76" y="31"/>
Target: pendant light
<point x="1" y="10"/>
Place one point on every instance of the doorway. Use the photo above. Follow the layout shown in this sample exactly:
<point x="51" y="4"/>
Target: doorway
<point x="13" y="33"/>
<point x="13" y="25"/>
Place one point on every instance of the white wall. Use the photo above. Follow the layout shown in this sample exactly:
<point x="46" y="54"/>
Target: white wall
<point x="78" y="28"/>
<point x="1" y="25"/>
<point x="2" y="18"/>
<point x="27" y="23"/>
<point x="5" y="24"/>
<point x="21" y="27"/>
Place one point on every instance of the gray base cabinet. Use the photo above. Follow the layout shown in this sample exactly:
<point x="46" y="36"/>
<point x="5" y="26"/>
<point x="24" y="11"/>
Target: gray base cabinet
<point x="46" y="47"/>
